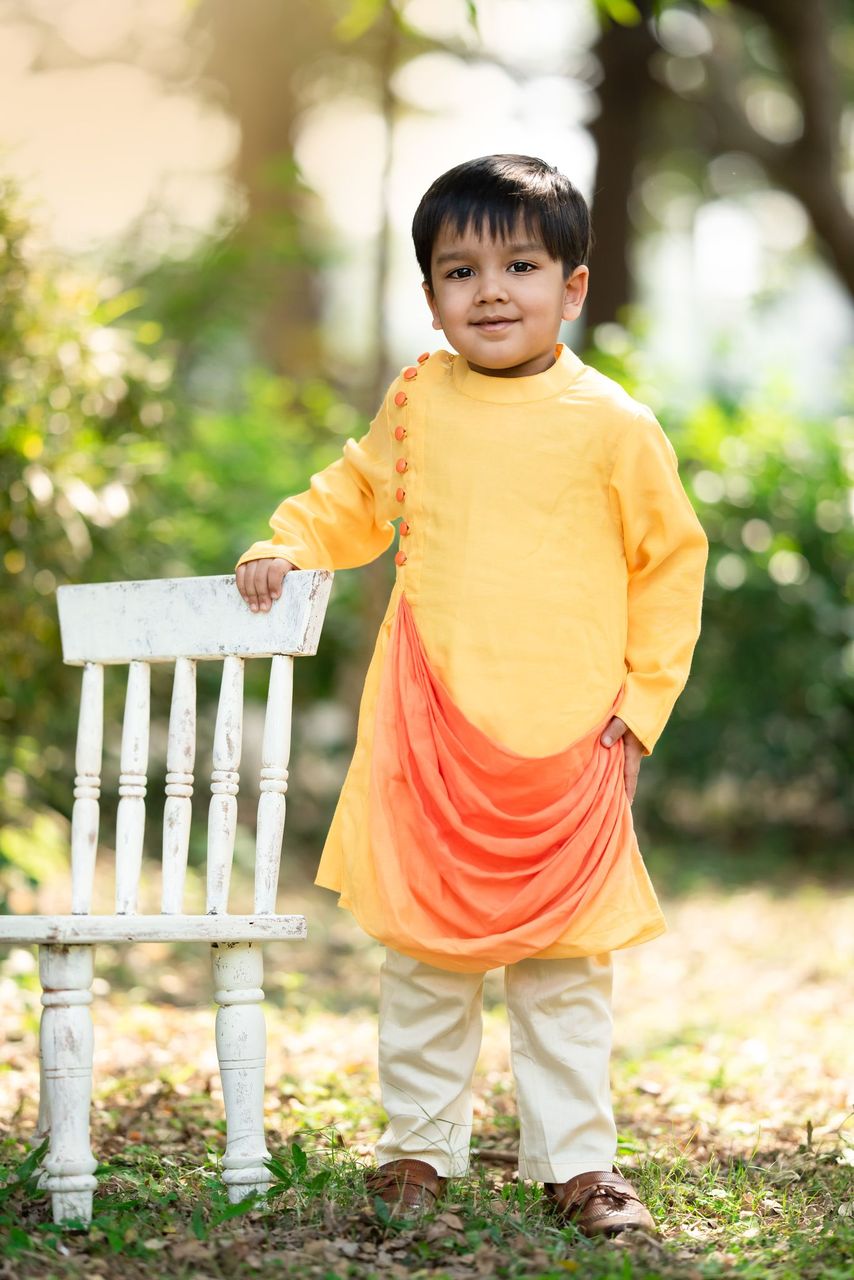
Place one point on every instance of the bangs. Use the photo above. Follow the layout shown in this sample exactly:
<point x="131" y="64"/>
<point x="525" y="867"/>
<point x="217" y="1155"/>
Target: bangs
<point x="501" y="220"/>
<point x="495" y="196"/>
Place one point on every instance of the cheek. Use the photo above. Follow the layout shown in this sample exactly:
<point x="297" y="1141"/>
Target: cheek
<point x="453" y="305"/>
<point x="551" y="303"/>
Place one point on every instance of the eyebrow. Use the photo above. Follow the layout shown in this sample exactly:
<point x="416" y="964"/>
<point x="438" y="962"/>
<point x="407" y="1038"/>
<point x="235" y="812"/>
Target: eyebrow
<point x="521" y="247"/>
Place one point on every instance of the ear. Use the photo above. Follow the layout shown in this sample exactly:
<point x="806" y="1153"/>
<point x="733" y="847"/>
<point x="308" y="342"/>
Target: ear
<point x="431" y="303"/>
<point x="575" y="293"/>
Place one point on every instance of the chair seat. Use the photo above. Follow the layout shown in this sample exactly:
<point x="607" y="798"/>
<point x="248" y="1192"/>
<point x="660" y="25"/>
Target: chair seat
<point x="86" y="930"/>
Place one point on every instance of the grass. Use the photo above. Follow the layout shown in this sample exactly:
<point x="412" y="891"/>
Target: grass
<point x="730" y="1089"/>
<point x="738" y="1218"/>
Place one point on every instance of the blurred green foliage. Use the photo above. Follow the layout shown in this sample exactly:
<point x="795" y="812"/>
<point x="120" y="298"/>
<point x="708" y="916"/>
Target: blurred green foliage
<point x="775" y="675"/>
<point x="82" y="416"/>
<point x="760" y="740"/>
<point x="137" y="444"/>
<point x="115" y="464"/>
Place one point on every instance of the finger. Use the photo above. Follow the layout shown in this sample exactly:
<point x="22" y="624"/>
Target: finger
<point x="270" y="581"/>
<point x="263" y="586"/>
<point x="279" y="569"/>
<point x="250" y="593"/>
<point x="614" y="730"/>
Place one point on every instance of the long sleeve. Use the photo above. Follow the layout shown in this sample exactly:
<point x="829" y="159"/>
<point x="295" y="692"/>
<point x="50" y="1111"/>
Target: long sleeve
<point x="666" y="551"/>
<point x="344" y="518"/>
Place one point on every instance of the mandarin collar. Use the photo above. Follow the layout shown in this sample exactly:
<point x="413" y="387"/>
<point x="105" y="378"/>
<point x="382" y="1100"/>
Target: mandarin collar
<point x="535" y="386"/>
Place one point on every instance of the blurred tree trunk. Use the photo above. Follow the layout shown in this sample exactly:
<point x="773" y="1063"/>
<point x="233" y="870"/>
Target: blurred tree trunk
<point x="262" y="53"/>
<point x="377" y="577"/>
<point x="388" y="51"/>
<point x="627" y="131"/>
<point x="809" y="167"/>
<point x="257" y="50"/>
<point x="621" y="133"/>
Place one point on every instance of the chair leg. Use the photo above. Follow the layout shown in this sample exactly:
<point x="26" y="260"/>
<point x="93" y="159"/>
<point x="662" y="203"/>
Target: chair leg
<point x="42" y="1128"/>
<point x="241" y="1045"/>
<point x="66" y="1040"/>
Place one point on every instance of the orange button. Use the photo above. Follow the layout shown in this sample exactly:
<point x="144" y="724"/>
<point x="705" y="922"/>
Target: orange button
<point x="410" y="373"/>
<point x="404" y="528"/>
<point x="424" y="357"/>
<point x="400" y="558"/>
<point x="401" y="465"/>
<point x="400" y="399"/>
<point x="399" y="433"/>
<point x="400" y="494"/>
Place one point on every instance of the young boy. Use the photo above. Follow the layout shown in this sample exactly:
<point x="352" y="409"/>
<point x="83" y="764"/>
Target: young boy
<point x="541" y="626"/>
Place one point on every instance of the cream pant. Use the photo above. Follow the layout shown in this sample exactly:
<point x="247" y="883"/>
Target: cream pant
<point x="560" y="1035"/>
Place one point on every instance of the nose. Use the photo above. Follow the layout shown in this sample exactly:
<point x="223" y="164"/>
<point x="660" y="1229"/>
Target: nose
<point x="491" y="286"/>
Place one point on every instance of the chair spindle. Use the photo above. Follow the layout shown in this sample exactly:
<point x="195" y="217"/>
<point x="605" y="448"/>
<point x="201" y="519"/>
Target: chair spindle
<point x="130" y="816"/>
<point x="85" y="815"/>
<point x="225" y="780"/>
<point x="275" y="755"/>
<point x="180" y="759"/>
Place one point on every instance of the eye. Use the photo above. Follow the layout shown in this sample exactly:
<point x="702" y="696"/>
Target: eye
<point x="522" y="268"/>
<point x="456" y="273"/>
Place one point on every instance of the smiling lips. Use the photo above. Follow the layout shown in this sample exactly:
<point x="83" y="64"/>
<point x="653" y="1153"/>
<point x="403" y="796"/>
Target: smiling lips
<point x="493" y="324"/>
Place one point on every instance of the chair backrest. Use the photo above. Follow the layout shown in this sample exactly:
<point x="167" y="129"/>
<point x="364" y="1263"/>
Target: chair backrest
<point x="183" y="620"/>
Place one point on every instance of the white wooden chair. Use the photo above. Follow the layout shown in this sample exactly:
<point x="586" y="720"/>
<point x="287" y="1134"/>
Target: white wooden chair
<point x="182" y="621"/>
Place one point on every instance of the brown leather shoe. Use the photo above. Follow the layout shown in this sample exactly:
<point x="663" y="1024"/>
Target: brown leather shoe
<point x="600" y="1204"/>
<point x="408" y="1187"/>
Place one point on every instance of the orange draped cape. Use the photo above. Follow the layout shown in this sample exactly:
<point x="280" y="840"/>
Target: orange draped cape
<point x="480" y="854"/>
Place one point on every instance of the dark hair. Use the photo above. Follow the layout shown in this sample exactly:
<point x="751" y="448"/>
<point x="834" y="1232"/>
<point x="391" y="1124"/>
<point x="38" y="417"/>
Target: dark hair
<point x="495" y="192"/>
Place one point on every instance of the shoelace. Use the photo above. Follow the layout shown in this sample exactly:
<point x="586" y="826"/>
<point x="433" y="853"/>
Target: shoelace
<point x="605" y="1190"/>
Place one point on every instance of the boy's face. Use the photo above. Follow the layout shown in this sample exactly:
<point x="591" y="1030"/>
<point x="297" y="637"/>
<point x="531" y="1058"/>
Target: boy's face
<point x="501" y="302"/>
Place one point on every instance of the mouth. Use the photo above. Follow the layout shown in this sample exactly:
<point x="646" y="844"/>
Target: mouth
<point x="493" y="324"/>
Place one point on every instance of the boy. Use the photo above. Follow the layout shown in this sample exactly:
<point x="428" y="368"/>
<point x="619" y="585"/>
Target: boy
<point x="549" y="575"/>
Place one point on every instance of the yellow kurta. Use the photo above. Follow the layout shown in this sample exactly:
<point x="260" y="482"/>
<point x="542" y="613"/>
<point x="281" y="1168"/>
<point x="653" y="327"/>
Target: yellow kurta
<point x="552" y="554"/>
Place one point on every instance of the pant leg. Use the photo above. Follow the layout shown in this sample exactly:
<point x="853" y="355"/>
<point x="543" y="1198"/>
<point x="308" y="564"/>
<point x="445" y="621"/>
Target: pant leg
<point x="430" y="1031"/>
<point x="560" y="1035"/>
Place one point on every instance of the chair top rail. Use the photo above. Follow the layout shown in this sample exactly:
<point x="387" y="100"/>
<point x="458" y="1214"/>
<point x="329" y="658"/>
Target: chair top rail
<point x="90" y="930"/>
<point x="161" y="619"/>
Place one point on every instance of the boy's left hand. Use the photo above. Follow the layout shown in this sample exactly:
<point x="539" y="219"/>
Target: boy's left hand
<point x="632" y="751"/>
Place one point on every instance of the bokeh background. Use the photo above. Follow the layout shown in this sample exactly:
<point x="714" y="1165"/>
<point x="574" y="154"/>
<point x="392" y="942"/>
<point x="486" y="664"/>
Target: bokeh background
<point x="207" y="280"/>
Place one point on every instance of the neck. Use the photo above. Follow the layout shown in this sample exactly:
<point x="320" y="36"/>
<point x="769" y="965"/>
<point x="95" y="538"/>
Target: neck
<point x="538" y="365"/>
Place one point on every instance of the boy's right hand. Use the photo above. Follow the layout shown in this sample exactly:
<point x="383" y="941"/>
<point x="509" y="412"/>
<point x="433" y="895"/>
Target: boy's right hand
<point x="260" y="581"/>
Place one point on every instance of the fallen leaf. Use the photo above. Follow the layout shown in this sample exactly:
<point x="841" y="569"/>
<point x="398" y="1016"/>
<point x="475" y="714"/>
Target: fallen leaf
<point x="350" y="1248"/>
<point x="649" y="1086"/>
